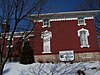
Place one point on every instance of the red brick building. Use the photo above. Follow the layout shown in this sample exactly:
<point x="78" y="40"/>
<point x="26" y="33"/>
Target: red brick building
<point x="65" y="36"/>
<point x="61" y="33"/>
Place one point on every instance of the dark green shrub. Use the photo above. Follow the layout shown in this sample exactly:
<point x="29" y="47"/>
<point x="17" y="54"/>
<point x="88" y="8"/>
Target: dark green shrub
<point x="26" y="54"/>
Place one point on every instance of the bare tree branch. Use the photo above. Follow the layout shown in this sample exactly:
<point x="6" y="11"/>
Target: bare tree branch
<point x="16" y="11"/>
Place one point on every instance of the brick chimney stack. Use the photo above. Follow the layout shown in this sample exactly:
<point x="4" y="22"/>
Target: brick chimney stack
<point x="5" y="26"/>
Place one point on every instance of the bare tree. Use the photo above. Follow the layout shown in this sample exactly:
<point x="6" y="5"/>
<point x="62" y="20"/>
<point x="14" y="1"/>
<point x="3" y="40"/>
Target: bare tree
<point x="16" y="12"/>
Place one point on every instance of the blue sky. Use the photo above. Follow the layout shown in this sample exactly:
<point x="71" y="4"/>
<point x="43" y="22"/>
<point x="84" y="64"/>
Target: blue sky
<point x="73" y="5"/>
<point x="61" y="6"/>
<point x="66" y="5"/>
<point x="54" y="6"/>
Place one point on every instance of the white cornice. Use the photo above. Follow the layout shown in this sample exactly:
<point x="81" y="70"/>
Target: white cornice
<point x="64" y="19"/>
<point x="73" y="12"/>
<point x="61" y="15"/>
<point x="18" y="34"/>
<point x="89" y="17"/>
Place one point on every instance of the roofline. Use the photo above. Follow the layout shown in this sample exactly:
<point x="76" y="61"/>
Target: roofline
<point x="18" y="34"/>
<point x="73" y="12"/>
<point x="60" y="15"/>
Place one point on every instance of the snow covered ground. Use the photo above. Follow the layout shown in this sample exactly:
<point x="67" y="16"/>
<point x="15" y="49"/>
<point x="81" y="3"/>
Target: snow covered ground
<point x="14" y="68"/>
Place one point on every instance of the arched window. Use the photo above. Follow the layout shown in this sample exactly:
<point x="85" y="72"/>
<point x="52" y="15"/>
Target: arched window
<point x="46" y="35"/>
<point x="83" y="34"/>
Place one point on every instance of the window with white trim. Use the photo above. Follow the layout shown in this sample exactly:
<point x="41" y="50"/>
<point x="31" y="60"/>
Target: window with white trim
<point x="83" y="34"/>
<point x="81" y="21"/>
<point x="46" y="23"/>
<point x="25" y="38"/>
<point x="46" y="35"/>
<point x="11" y="41"/>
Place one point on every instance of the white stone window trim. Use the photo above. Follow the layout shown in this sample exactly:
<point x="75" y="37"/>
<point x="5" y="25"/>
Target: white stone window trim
<point x="87" y="34"/>
<point x="82" y="46"/>
<point x="8" y="40"/>
<point x="26" y="38"/>
<point x="81" y="24"/>
<point x="43" y="26"/>
<point x="46" y="52"/>
<point x="10" y="46"/>
<point x="42" y="36"/>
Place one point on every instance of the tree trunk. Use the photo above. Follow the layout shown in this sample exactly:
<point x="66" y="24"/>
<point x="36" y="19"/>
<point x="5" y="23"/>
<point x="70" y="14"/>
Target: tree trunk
<point x="1" y="69"/>
<point x="2" y="66"/>
<point x="0" y="58"/>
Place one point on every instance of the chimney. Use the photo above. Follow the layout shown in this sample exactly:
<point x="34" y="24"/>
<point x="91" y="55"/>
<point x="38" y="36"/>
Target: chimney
<point x="5" y="26"/>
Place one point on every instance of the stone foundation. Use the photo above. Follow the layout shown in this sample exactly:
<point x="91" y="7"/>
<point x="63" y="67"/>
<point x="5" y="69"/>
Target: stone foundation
<point x="46" y="58"/>
<point x="83" y="57"/>
<point x="95" y="56"/>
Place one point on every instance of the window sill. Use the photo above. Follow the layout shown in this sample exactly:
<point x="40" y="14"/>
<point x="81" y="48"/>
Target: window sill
<point x="85" y="46"/>
<point x="83" y="24"/>
<point x="46" y="26"/>
<point x="46" y="52"/>
<point x="10" y="46"/>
